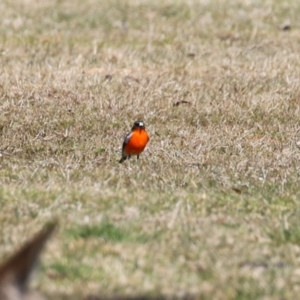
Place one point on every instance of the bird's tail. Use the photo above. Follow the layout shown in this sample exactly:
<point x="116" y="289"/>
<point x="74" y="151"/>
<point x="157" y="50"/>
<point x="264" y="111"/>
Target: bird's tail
<point x="122" y="159"/>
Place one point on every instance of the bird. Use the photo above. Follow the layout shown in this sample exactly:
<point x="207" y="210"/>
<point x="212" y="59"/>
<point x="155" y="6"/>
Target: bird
<point x="135" y="141"/>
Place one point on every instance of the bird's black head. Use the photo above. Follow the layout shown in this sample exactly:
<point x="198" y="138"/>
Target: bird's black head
<point x="138" y="125"/>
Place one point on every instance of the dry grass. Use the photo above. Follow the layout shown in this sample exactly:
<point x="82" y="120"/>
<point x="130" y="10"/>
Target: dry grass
<point x="211" y="208"/>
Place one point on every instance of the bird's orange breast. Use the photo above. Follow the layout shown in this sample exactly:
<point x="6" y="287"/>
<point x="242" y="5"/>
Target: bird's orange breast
<point x="137" y="142"/>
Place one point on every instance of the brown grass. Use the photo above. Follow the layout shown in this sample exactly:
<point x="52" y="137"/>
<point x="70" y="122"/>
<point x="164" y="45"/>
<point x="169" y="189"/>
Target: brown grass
<point x="211" y="208"/>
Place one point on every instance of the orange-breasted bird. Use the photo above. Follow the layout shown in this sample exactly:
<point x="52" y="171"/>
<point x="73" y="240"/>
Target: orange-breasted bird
<point x="135" y="141"/>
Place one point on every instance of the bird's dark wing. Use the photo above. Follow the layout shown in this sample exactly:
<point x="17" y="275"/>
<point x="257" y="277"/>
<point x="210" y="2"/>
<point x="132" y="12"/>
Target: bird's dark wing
<point x="126" y="139"/>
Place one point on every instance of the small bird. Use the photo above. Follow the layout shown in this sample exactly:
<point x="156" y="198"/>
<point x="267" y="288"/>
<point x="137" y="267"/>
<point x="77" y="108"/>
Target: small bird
<point x="135" y="141"/>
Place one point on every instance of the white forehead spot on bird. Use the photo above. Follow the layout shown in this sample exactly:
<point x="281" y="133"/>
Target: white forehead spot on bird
<point x="141" y="124"/>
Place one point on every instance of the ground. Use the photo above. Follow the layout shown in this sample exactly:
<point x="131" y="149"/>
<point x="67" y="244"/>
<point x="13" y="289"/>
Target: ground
<point x="211" y="208"/>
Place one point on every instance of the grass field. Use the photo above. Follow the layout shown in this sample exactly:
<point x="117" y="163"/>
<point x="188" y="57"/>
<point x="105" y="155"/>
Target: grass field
<point x="211" y="208"/>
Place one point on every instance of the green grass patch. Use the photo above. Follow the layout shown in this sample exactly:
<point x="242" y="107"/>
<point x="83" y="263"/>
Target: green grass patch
<point x="108" y="232"/>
